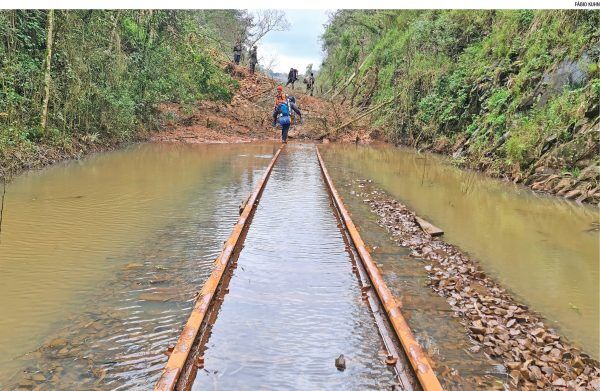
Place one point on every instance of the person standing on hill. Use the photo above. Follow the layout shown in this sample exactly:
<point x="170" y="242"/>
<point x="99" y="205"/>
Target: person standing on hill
<point x="237" y="52"/>
<point x="310" y="83"/>
<point x="292" y="77"/>
<point x="253" y="59"/>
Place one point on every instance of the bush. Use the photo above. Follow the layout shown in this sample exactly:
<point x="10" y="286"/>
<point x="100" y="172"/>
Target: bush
<point x="109" y="71"/>
<point x="482" y="73"/>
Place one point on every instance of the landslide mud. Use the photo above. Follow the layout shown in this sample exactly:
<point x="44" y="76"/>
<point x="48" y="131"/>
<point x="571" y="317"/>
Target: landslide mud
<point x="248" y="117"/>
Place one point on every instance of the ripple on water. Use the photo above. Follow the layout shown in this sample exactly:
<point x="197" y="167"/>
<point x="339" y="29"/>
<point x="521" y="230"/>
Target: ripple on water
<point x="294" y="304"/>
<point x="116" y="336"/>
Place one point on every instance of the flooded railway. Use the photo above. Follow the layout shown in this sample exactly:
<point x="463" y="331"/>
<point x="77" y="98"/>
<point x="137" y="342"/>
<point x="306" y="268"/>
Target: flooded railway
<point x="102" y="261"/>
<point x="292" y="302"/>
<point x="544" y="249"/>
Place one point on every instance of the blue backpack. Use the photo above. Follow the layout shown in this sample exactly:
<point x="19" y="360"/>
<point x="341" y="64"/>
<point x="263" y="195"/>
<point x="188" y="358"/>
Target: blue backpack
<point x="284" y="108"/>
<point x="285" y="120"/>
<point x="284" y="117"/>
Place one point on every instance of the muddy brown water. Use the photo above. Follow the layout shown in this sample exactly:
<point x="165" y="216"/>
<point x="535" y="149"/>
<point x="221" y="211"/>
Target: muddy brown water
<point x="543" y="249"/>
<point x="100" y="259"/>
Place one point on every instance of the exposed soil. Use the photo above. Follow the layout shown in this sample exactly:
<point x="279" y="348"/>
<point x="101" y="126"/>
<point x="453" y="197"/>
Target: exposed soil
<point x="535" y="356"/>
<point x="247" y="118"/>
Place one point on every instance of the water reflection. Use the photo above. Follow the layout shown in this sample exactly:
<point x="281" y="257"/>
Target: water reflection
<point x="294" y="304"/>
<point x="100" y="259"/>
<point x="539" y="247"/>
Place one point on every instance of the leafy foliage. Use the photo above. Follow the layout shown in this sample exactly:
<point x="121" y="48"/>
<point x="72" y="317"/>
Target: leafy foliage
<point x="109" y="70"/>
<point x="496" y="77"/>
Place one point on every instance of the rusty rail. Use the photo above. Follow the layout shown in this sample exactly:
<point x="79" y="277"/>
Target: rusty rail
<point x="173" y="368"/>
<point x="415" y="354"/>
<point x="396" y="356"/>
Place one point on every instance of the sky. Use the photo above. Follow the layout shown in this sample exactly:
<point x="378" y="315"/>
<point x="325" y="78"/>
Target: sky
<point x="298" y="46"/>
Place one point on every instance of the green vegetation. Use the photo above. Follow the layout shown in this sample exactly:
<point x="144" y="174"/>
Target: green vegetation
<point x="502" y="86"/>
<point x="107" y="73"/>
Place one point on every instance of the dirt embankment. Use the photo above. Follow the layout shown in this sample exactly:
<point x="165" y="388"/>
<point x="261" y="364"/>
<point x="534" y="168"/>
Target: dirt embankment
<point x="568" y="169"/>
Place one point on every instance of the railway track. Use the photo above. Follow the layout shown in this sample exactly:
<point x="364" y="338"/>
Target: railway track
<point x="410" y="364"/>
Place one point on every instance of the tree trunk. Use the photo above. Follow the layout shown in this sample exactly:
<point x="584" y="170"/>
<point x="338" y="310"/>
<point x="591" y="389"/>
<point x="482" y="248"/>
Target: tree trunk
<point x="49" y="39"/>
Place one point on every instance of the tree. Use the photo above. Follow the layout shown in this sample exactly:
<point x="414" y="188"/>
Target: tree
<point x="309" y="69"/>
<point x="265" y="21"/>
<point x="225" y="27"/>
<point x="271" y="63"/>
<point x="49" y="38"/>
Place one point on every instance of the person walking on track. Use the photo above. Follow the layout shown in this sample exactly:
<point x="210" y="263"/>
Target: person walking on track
<point x="282" y="113"/>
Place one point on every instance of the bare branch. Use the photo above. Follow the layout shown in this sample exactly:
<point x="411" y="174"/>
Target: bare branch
<point x="265" y="21"/>
<point x="270" y="63"/>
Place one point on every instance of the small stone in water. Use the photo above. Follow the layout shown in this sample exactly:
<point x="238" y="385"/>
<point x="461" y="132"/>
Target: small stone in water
<point x="391" y="360"/>
<point x="340" y="363"/>
<point x="57" y="342"/>
<point x="134" y="266"/>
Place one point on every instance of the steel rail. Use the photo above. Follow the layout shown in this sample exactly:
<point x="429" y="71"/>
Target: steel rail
<point x="416" y="355"/>
<point x="396" y="356"/>
<point x="179" y="355"/>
